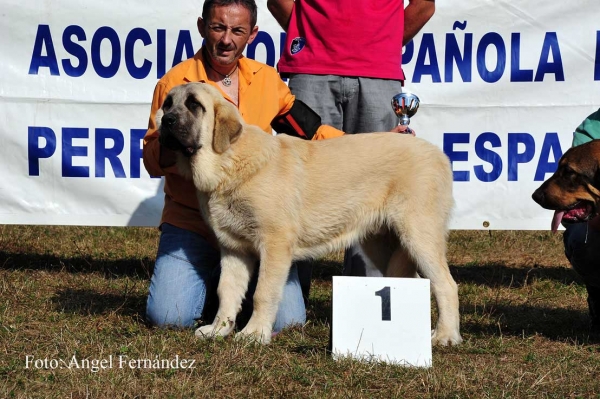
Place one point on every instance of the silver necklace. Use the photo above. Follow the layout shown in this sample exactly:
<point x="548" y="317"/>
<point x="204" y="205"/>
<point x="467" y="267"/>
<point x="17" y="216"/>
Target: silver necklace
<point x="226" y="78"/>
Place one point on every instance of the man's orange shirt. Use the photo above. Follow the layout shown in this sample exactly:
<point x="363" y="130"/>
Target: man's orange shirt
<point x="262" y="97"/>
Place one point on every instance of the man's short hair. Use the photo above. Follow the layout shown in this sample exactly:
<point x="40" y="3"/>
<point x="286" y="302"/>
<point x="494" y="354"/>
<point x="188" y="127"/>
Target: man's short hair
<point x="249" y="4"/>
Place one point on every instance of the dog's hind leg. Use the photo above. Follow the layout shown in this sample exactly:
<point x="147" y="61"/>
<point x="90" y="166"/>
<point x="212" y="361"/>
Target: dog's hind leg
<point x="275" y="264"/>
<point x="236" y="270"/>
<point x="401" y="264"/>
<point x="425" y="242"/>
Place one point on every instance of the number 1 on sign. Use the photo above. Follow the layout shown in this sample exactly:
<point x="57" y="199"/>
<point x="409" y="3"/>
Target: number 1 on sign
<point x="386" y="311"/>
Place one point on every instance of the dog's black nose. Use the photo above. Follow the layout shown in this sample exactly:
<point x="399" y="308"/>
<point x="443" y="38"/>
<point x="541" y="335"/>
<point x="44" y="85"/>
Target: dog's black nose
<point x="169" y="119"/>
<point x="538" y="196"/>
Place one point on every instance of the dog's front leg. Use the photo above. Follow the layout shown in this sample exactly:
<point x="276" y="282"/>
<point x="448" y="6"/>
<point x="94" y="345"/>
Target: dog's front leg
<point x="275" y="264"/>
<point x="236" y="270"/>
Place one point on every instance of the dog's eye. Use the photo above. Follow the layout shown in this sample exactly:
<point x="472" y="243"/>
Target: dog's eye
<point x="566" y="171"/>
<point x="193" y="104"/>
<point x="167" y="103"/>
<point x="572" y="175"/>
<point x="572" y="180"/>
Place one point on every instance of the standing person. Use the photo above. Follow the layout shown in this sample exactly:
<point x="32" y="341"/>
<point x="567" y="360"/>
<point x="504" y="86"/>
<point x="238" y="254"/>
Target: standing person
<point x="582" y="240"/>
<point x="344" y="60"/>
<point x="187" y="261"/>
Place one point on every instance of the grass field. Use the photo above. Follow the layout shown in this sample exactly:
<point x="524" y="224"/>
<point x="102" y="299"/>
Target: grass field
<point x="77" y="293"/>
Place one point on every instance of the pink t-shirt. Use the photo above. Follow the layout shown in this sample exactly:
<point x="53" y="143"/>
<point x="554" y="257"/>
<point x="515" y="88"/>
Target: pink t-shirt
<point x="346" y="38"/>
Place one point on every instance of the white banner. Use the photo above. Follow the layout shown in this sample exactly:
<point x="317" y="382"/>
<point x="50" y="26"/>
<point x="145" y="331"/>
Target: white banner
<point x="502" y="85"/>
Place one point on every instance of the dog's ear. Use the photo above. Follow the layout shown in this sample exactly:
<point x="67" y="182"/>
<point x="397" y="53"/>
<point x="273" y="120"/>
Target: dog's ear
<point x="228" y="126"/>
<point x="158" y="118"/>
<point x="591" y="159"/>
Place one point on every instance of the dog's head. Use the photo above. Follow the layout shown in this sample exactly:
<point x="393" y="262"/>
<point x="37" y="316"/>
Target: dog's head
<point x="575" y="186"/>
<point x="195" y="115"/>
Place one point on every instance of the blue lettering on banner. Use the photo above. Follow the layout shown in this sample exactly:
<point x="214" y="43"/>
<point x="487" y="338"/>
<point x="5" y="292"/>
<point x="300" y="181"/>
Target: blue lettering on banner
<point x="161" y="53"/>
<point x="70" y="151"/>
<point x="34" y="151"/>
<point x="427" y="51"/>
<point x="74" y="49"/>
<point x="459" y="50"/>
<point x="44" y="51"/>
<point x="137" y="34"/>
<point x="489" y="156"/>
<point x="135" y="151"/>
<point x="520" y="149"/>
<point x="184" y="43"/>
<point x="109" y="146"/>
<point x="545" y="166"/>
<point x="491" y="43"/>
<point x="43" y="44"/>
<point x="103" y="153"/>
<point x="453" y="55"/>
<point x="515" y="157"/>
<point x="495" y="40"/>
<point x="545" y="66"/>
<point x="110" y="70"/>
<point x="516" y="73"/>
<point x="450" y="139"/>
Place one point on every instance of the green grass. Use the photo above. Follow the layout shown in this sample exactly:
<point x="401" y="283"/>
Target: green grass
<point x="77" y="292"/>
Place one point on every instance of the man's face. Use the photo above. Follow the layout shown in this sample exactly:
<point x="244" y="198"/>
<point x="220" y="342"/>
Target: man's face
<point x="226" y="32"/>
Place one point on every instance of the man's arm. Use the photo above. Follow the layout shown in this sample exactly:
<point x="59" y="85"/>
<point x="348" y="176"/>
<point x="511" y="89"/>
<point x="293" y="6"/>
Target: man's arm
<point x="416" y="15"/>
<point x="297" y="119"/>
<point x="301" y="121"/>
<point x="281" y="10"/>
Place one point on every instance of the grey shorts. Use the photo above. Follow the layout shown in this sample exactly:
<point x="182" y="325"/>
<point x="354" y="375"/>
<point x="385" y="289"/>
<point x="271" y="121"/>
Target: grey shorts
<point x="351" y="104"/>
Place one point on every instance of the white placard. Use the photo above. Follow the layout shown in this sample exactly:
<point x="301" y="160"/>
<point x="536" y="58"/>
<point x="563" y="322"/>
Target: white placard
<point x="383" y="319"/>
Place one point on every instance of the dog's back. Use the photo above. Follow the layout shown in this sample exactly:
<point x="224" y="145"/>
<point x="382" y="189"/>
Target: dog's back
<point x="334" y="192"/>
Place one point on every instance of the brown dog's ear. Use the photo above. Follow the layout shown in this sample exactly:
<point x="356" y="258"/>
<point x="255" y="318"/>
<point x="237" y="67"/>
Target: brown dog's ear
<point x="228" y="127"/>
<point x="592" y="158"/>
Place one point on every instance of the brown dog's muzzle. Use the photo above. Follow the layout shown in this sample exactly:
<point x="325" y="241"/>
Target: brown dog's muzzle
<point x="539" y="196"/>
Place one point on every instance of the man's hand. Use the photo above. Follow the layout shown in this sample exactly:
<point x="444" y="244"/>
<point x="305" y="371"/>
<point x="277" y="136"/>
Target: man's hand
<point x="403" y="129"/>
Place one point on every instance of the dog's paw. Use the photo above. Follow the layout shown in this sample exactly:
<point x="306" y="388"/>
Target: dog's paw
<point x="452" y="338"/>
<point x="260" y="336"/>
<point x="217" y="329"/>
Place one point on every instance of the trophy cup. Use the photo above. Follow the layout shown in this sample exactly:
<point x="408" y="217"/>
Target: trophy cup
<point x="405" y="105"/>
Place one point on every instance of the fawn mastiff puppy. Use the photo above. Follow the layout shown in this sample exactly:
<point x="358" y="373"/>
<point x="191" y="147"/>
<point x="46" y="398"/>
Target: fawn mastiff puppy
<point x="280" y="198"/>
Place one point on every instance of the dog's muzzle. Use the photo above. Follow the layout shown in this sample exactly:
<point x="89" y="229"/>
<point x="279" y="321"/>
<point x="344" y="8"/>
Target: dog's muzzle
<point x="168" y="139"/>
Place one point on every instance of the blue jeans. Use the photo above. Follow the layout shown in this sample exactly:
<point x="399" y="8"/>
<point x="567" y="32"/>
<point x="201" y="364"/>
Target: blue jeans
<point x="186" y="275"/>
<point x="353" y="105"/>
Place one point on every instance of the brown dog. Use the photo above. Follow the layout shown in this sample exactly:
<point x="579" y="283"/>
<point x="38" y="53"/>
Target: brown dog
<point x="280" y="198"/>
<point x="574" y="189"/>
